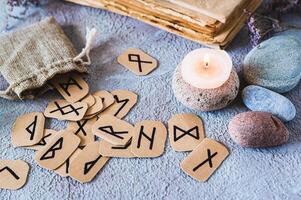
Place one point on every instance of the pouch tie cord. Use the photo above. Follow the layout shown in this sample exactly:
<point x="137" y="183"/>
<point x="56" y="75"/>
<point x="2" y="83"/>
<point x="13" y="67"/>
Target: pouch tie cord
<point x="9" y="94"/>
<point x="5" y="93"/>
<point x="90" y="40"/>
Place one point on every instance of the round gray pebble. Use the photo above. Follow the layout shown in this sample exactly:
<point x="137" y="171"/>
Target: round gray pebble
<point x="274" y="64"/>
<point x="257" y="98"/>
<point x="205" y="99"/>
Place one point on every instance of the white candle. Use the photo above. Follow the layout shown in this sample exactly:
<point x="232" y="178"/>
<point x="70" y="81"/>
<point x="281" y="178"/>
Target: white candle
<point x="206" y="68"/>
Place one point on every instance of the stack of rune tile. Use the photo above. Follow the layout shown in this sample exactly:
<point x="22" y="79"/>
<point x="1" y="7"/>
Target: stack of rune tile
<point x="213" y="23"/>
<point x="73" y="151"/>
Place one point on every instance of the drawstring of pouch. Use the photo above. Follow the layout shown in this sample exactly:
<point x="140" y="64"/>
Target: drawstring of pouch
<point x="90" y="44"/>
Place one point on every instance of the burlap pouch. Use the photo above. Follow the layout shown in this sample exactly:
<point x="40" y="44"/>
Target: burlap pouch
<point x="31" y="56"/>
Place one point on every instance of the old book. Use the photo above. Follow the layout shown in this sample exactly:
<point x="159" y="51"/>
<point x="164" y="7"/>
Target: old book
<point x="167" y="16"/>
<point x="217" y="9"/>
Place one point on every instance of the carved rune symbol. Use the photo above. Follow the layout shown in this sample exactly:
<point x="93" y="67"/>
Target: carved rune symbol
<point x="126" y="146"/>
<point x="43" y="141"/>
<point x="151" y="139"/>
<point x="88" y="166"/>
<point x="65" y="86"/>
<point x="110" y="130"/>
<point x="61" y="109"/>
<point x="136" y="58"/>
<point x="81" y="127"/>
<point x="10" y="171"/>
<point x="31" y="129"/>
<point x="67" y="165"/>
<point x="51" y="151"/>
<point x="209" y="160"/>
<point x="189" y="132"/>
<point x="124" y="102"/>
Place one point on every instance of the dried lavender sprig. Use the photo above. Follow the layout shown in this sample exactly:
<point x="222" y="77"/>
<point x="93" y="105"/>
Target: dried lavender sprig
<point x="261" y="27"/>
<point x="276" y="8"/>
<point x="13" y="4"/>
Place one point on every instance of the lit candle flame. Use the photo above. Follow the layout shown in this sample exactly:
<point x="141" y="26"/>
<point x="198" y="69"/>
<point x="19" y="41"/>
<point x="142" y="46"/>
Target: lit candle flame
<point x="206" y="60"/>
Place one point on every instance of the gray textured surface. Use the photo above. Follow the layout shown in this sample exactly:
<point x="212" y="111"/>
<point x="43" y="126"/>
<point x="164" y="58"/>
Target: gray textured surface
<point x="273" y="173"/>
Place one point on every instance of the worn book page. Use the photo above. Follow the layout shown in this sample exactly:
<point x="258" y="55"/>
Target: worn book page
<point x="217" y="9"/>
<point x="175" y="9"/>
<point x="182" y="27"/>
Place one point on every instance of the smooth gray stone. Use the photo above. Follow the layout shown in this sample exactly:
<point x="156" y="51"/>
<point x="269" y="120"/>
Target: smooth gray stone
<point x="257" y="98"/>
<point x="205" y="99"/>
<point x="274" y="64"/>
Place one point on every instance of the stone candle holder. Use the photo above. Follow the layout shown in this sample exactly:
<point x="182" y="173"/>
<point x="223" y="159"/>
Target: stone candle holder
<point x="205" y="99"/>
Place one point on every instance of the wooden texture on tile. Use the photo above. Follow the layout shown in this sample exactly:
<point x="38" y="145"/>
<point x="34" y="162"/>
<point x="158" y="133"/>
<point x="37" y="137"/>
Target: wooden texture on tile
<point x="96" y="108"/>
<point x="148" y="139"/>
<point x="48" y="134"/>
<point x="28" y="129"/>
<point x="13" y="174"/>
<point x="111" y="150"/>
<point x="88" y="163"/>
<point x="106" y="97"/>
<point x="64" y="169"/>
<point x="57" y="150"/>
<point x="186" y="131"/>
<point x="83" y="129"/>
<point x="137" y="61"/>
<point x="71" y="86"/>
<point x="63" y="110"/>
<point x="112" y="129"/>
<point x="89" y="100"/>
<point x="124" y="102"/>
<point x="204" y="159"/>
<point x="91" y="116"/>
